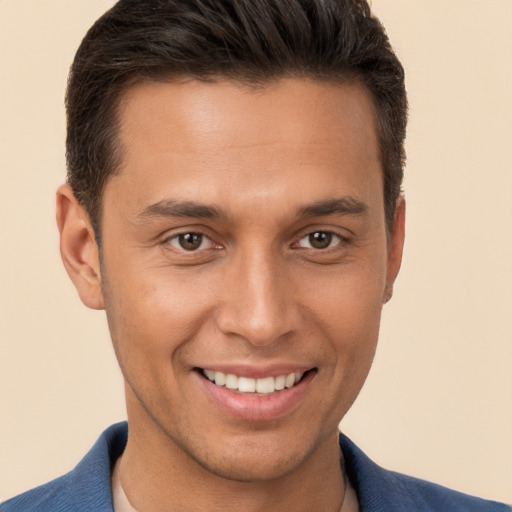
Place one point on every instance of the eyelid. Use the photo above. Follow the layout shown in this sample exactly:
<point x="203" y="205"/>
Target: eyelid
<point x="340" y="239"/>
<point x="304" y="233"/>
<point x="166" y="240"/>
<point x="344" y="235"/>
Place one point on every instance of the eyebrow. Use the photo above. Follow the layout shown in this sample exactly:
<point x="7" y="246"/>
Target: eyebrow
<point x="190" y="209"/>
<point x="340" y="206"/>
<point x="181" y="209"/>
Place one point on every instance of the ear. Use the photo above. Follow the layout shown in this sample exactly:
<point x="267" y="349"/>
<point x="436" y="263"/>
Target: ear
<point x="395" y="248"/>
<point x="78" y="248"/>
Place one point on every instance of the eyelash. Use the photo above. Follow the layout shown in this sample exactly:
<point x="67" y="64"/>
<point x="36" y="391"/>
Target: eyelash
<point x="332" y="235"/>
<point x="177" y="236"/>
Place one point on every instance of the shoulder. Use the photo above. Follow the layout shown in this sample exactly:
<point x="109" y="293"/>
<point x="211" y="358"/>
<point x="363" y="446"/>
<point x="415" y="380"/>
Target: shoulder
<point x="380" y="490"/>
<point x="434" y="497"/>
<point x="85" y="488"/>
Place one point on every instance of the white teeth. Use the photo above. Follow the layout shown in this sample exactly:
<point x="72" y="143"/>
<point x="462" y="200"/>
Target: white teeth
<point x="280" y="382"/>
<point x="246" y="385"/>
<point x="290" y="380"/>
<point x="265" y="385"/>
<point x="231" y="381"/>
<point x="210" y="374"/>
<point x="220" y="378"/>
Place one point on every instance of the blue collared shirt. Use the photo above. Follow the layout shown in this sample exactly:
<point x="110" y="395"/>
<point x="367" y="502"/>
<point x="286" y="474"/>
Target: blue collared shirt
<point x="87" y="487"/>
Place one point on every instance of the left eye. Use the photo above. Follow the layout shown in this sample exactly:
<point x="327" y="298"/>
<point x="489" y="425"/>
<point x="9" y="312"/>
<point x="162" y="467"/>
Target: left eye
<point x="190" y="241"/>
<point x="320" y="240"/>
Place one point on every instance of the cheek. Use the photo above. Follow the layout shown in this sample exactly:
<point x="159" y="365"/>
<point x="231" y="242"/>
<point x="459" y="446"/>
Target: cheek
<point x="353" y="330"/>
<point x="150" y="315"/>
<point x="349" y="300"/>
<point x="348" y="311"/>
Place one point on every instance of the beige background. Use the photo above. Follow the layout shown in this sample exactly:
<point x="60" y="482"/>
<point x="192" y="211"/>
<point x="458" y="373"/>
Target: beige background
<point x="438" y="403"/>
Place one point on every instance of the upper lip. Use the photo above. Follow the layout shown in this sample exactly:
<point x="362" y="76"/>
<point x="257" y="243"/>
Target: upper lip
<point x="259" y="371"/>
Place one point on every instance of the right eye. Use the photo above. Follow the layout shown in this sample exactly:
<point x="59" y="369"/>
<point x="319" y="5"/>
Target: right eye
<point x="190" y="241"/>
<point x="320" y="240"/>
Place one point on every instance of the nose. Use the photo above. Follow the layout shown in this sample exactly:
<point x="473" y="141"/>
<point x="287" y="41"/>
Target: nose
<point x="259" y="299"/>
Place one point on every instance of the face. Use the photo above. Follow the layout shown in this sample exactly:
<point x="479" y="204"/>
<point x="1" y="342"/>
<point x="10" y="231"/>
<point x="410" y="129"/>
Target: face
<point x="245" y="263"/>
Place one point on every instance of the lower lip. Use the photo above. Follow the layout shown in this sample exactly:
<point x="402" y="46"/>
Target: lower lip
<point x="257" y="408"/>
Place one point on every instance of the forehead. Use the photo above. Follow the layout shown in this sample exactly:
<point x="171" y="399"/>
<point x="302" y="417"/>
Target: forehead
<point x="231" y="113"/>
<point x="204" y="138"/>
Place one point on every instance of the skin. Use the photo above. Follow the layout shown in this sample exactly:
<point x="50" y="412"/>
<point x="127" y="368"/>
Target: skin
<point x="256" y="292"/>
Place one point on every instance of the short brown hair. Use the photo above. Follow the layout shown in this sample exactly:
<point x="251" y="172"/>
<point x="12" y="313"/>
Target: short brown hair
<point x="249" y="41"/>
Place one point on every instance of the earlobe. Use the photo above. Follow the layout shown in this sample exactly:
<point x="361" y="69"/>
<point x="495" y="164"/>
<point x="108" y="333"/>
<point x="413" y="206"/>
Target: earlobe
<point x="78" y="248"/>
<point x="396" y="245"/>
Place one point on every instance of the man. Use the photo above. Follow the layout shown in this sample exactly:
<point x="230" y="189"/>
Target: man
<point x="233" y="203"/>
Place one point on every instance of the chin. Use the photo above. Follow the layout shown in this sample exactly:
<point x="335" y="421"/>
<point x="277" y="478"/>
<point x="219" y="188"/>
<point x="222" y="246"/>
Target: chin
<point x="256" y="456"/>
<point x="252" y="467"/>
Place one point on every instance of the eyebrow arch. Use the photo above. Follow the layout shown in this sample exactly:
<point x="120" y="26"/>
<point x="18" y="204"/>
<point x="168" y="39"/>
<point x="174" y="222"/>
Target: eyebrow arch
<point x="181" y="209"/>
<point x="190" y="209"/>
<point x="341" y="206"/>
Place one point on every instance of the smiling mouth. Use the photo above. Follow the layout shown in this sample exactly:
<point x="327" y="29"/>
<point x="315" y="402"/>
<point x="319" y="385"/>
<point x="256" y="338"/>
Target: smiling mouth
<point x="257" y="387"/>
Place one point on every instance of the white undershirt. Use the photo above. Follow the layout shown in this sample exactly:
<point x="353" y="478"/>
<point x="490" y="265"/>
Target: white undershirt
<point x="121" y="503"/>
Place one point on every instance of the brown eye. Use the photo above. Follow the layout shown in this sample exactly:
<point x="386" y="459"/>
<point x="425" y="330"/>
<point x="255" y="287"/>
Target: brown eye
<point x="320" y="239"/>
<point x="188" y="241"/>
<point x="191" y="241"/>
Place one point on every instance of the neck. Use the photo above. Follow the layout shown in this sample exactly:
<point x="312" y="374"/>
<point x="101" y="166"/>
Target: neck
<point x="157" y="475"/>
